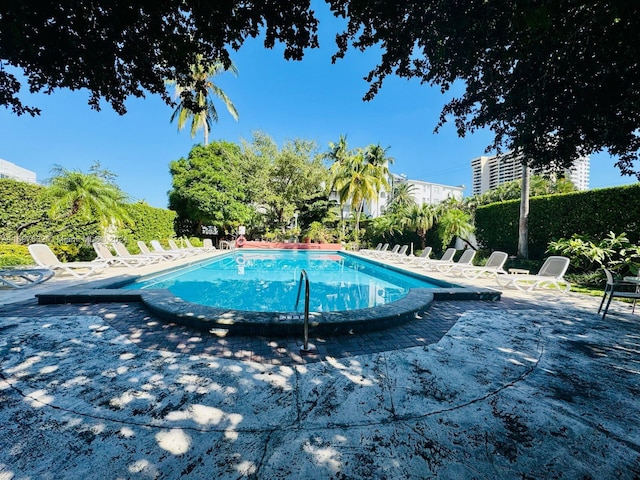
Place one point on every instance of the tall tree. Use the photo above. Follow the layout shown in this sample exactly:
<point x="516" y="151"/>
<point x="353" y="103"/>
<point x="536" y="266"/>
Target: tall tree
<point x="196" y="98"/>
<point x="455" y="223"/>
<point x="523" y="222"/>
<point x="359" y="177"/>
<point x="338" y="154"/>
<point x="421" y="218"/>
<point x="207" y="187"/>
<point x="283" y="180"/>
<point x="401" y="197"/>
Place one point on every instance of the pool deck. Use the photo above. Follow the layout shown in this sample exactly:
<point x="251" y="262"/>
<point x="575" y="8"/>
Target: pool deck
<point x="533" y="386"/>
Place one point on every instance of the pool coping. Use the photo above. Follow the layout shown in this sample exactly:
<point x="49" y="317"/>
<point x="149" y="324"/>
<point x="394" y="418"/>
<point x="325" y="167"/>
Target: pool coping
<point x="240" y="322"/>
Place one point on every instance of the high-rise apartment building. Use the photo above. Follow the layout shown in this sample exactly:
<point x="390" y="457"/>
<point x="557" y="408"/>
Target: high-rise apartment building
<point x="490" y="171"/>
<point x="10" y="170"/>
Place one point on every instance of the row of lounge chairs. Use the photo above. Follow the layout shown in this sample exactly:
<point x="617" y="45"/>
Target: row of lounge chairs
<point x="49" y="263"/>
<point x="550" y="275"/>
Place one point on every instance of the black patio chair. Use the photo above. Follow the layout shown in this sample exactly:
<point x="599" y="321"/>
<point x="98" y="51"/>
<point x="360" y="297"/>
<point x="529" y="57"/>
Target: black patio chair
<point x="619" y="289"/>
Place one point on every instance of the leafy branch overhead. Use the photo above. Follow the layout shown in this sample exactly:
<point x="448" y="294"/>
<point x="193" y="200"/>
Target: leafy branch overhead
<point x="552" y="79"/>
<point x="121" y="49"/>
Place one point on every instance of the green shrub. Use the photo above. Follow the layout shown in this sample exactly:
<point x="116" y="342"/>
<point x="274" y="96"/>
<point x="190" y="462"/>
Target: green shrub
<point x="13" y="255"/>
<point x="587" y="254"/>
<point x="318" y="233"/>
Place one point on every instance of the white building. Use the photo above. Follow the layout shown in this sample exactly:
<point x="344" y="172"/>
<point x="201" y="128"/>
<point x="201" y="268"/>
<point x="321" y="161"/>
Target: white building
<point x="428" y="192"/>
<point x="421" y="191"/>
<point x="490" y="171"/>
<point x="10" y="170"/>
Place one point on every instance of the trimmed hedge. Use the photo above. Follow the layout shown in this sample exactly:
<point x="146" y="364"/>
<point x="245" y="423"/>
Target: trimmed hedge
<point x="24" y="220"/>
<point x="149" y="223"/>
<point x="551" y="217"/>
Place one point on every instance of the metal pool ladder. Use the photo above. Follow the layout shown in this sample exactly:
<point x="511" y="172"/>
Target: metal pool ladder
<point x="303" y="276"/>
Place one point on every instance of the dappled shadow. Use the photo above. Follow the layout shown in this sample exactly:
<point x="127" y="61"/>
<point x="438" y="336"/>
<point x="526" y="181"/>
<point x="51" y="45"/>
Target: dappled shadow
<point x="85" y="398"/>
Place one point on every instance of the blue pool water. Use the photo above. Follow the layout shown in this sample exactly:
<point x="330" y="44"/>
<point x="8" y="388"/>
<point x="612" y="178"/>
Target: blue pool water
<point x="267" y="281"/>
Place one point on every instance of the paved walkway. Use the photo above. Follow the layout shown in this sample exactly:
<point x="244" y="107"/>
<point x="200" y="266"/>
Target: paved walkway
<point x="533" y="386"/>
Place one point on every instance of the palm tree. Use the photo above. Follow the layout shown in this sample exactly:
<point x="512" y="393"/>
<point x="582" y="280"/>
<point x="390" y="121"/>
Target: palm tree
<point x="338" y="154"/>
<point x="196" y="98"/>
<point x="359" y="177"/>
<point x="402" y="197"/>
<point x="455" y="223"/>
<point x="385" y="226"/>
<point x="421" y="218"/>
<point x="86" y="195"/>
<point x="377" y="155"/>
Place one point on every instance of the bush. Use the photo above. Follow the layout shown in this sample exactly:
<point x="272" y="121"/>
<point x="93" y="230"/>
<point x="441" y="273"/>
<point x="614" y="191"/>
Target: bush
<point x="318" y="233"/>
<point x="13" y="255"/>
<point x="588" y="255"/>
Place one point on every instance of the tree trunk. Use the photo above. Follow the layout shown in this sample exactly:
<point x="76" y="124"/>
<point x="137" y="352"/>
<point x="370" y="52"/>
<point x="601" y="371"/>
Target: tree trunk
<point x="16" y="238"/>
<point x="358" y="213"/>
<point x="523" y="224"/>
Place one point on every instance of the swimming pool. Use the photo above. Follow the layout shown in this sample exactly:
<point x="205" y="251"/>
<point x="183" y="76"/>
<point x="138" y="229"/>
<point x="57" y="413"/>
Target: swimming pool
<point x="268" y="281"/>
<point x="413" y="299"/>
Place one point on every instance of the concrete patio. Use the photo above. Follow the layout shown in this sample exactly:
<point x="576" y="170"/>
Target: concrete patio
<point x="535" y="386"/>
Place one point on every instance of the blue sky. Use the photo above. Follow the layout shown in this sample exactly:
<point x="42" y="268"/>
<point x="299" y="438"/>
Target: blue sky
<point x="311" y="99"/>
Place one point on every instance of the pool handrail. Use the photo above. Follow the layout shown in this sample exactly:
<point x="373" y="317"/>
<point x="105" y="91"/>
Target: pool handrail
<point x="303" y="276"/>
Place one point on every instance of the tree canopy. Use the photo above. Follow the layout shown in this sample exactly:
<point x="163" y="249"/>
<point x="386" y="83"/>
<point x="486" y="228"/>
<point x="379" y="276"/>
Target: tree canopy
<point x="257" y="185"/>
<point x="120" y="49"/>
<point x="207" y="186"/>
<point x="283" y="181"/>
<point x="552" y="79"/>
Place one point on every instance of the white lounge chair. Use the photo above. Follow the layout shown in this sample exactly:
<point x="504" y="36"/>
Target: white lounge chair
<point x="447" y="257"/>
<point x="164" y="254"/>
<point x="419" y="259"/>
<point x="493" y="266"/>
<point x="399" y="255"/>
<point x="208" y="245"/>
<point x="189" y="251"/>
<point x="385" y="253"/>
<point x="384" y="249"/>
<point x="105" y="254"/>
<point x="158" y="248"/>
<point x="122" y="251"/>
<point x="465" y="260"/>
<point x="550" y="275"/>
<point x="368" y="251"/>
<point x="45" y="257"/>
<point x="24" y="277"/>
